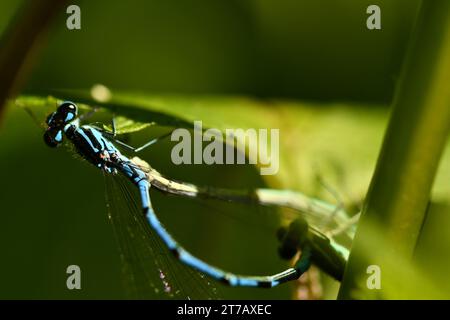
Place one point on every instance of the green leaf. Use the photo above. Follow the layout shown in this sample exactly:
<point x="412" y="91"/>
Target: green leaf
<point x="315" y="140"/>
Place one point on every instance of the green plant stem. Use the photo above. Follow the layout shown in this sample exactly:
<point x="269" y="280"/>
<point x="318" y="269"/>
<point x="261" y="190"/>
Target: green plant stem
<point x="416" y="135"/>
<point x="20" y="42"/>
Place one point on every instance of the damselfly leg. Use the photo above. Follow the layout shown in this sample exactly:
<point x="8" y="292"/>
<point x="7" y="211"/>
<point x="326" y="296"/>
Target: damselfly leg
<point x="113" y="135"/>
<point x="146" y="145"/>
<point x="89" y="114"/>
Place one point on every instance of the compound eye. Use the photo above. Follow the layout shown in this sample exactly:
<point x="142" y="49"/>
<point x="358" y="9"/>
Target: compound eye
<point x="68" y="111"/>
<point x="53" y="138"/>
<point x="67" y="106"/>
<point x="58" y="136"/>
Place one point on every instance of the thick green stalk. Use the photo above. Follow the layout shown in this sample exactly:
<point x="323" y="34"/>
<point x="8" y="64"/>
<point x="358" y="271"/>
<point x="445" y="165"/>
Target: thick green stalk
<point x="398" y="196"/>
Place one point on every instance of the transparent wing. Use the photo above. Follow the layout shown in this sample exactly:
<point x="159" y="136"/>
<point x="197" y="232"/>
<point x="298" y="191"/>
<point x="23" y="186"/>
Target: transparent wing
<point x="331" y="230"/>
<point x="324" y="218"/>
<point x="150" y="270"/>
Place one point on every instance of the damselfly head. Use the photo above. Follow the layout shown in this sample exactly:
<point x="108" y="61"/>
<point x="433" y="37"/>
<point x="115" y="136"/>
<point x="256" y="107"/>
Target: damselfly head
<point x="66" y="112"/>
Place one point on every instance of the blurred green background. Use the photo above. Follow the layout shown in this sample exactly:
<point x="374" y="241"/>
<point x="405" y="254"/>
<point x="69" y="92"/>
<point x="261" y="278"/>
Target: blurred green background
<point x="53" y="210"/>
<point x="298" y="49"/>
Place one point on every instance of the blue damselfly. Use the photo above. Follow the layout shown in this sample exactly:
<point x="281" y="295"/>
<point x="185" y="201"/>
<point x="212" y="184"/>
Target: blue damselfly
<point x="312" y="231"/>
